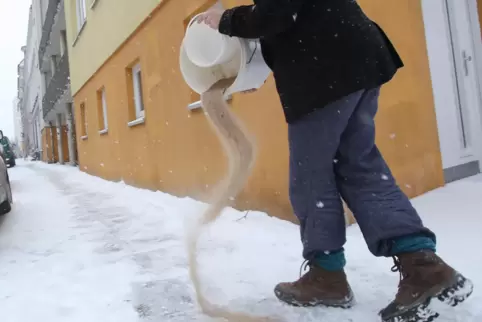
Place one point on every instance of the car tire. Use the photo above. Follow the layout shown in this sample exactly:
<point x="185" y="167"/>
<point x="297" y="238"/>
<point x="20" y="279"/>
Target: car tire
<point x="5" y="207"/>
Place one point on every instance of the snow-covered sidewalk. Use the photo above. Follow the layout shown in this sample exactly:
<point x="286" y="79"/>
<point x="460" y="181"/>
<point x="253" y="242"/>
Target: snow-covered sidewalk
<point x="78" y="248"/>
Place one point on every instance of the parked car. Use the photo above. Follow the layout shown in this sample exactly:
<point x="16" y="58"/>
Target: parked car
<point x="5" y="188"/>
<point x="8" y="153"/>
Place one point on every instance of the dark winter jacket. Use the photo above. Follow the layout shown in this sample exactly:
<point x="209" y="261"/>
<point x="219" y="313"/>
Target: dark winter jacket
<point x="319" y="50"/>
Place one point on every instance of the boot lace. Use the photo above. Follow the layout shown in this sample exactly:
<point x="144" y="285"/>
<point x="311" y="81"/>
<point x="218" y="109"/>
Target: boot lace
<point x="304" y="267"/>
<point x="397" y="267"/>
<point x="406" y="287"/>
<point x="307" y="277"/>
<point x="427" y="259"/>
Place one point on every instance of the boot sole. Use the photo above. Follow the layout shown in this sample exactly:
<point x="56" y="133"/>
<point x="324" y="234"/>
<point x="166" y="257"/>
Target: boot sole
<point x="458" y="292"/>
<point x="453" y="295"/>
<point x="341" y="304"/>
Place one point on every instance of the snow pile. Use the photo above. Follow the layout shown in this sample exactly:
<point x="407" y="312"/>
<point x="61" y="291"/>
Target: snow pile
<point x="78" y="248"/>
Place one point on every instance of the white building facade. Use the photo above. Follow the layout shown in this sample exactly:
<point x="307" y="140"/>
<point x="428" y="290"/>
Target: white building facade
<point x="31" y="103"/>
<point x="53" y="60"/>
<point x="18" y="126"/>
<point x="18" y="112"/>
<point x="46" y="101"/>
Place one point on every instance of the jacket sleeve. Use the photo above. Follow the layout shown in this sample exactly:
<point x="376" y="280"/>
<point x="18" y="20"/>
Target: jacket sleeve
<point x="266" y="18"/>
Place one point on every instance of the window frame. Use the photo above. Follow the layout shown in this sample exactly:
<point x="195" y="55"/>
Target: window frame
<point x="138" y="94"/>
<point x="83" y="120"/>
<point x="102" y="100"/>
<point x="81" y="14"/>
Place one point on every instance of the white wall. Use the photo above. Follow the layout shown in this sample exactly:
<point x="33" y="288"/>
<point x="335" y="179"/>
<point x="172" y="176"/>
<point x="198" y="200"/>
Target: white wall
<point x="17" y="120"/>
<point x="33" y="77"/>
<point x="444" y="82"/>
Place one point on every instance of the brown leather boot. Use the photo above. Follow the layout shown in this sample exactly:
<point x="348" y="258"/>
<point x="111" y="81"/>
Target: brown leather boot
<point x="317" y="287"/>
<point x="423" y="277"/>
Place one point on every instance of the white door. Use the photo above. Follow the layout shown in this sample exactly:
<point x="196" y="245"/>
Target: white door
<point x="466" y="79"/>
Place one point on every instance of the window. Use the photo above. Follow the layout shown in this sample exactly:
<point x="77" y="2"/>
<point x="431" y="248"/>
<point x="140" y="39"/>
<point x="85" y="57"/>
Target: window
<point x="81" y="14"/>
<point x="102" y="111"/>
<point x="137" y="87"/>
<point x="83" y="120"/>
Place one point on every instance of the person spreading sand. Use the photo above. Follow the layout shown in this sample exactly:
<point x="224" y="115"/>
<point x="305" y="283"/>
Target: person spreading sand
<point x="329" y="62"/>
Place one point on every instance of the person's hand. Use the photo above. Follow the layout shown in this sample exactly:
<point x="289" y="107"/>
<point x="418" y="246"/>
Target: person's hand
<point x="212" y="18"/>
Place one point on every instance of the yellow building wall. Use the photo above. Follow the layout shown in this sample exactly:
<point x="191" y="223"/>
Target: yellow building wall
<point x="176" y="151"/>
<point x="108" y="24"/>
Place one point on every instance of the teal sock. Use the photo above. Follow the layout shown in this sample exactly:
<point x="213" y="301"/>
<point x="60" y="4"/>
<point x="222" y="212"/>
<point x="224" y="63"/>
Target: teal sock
<point x="412" y="243"/>
<point x="331" y="261"/>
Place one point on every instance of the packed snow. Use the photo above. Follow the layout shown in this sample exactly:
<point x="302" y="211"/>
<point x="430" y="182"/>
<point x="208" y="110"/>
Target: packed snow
<point x="78" y="248"/>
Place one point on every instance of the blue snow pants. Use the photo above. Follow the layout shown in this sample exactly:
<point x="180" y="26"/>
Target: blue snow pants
<point x="333" y="154"/>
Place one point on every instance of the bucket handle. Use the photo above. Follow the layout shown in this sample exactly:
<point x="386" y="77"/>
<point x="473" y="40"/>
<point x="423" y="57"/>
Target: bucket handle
<point x="253" y="53"/>
<point x="248" y="62"/>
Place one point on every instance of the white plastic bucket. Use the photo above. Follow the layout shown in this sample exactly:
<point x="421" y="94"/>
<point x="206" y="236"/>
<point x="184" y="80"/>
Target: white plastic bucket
<point x="246" y="65"/>
<point x="253" y="71"/>
<point x="200" y="79"/>
<point x="207" y="47"/>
